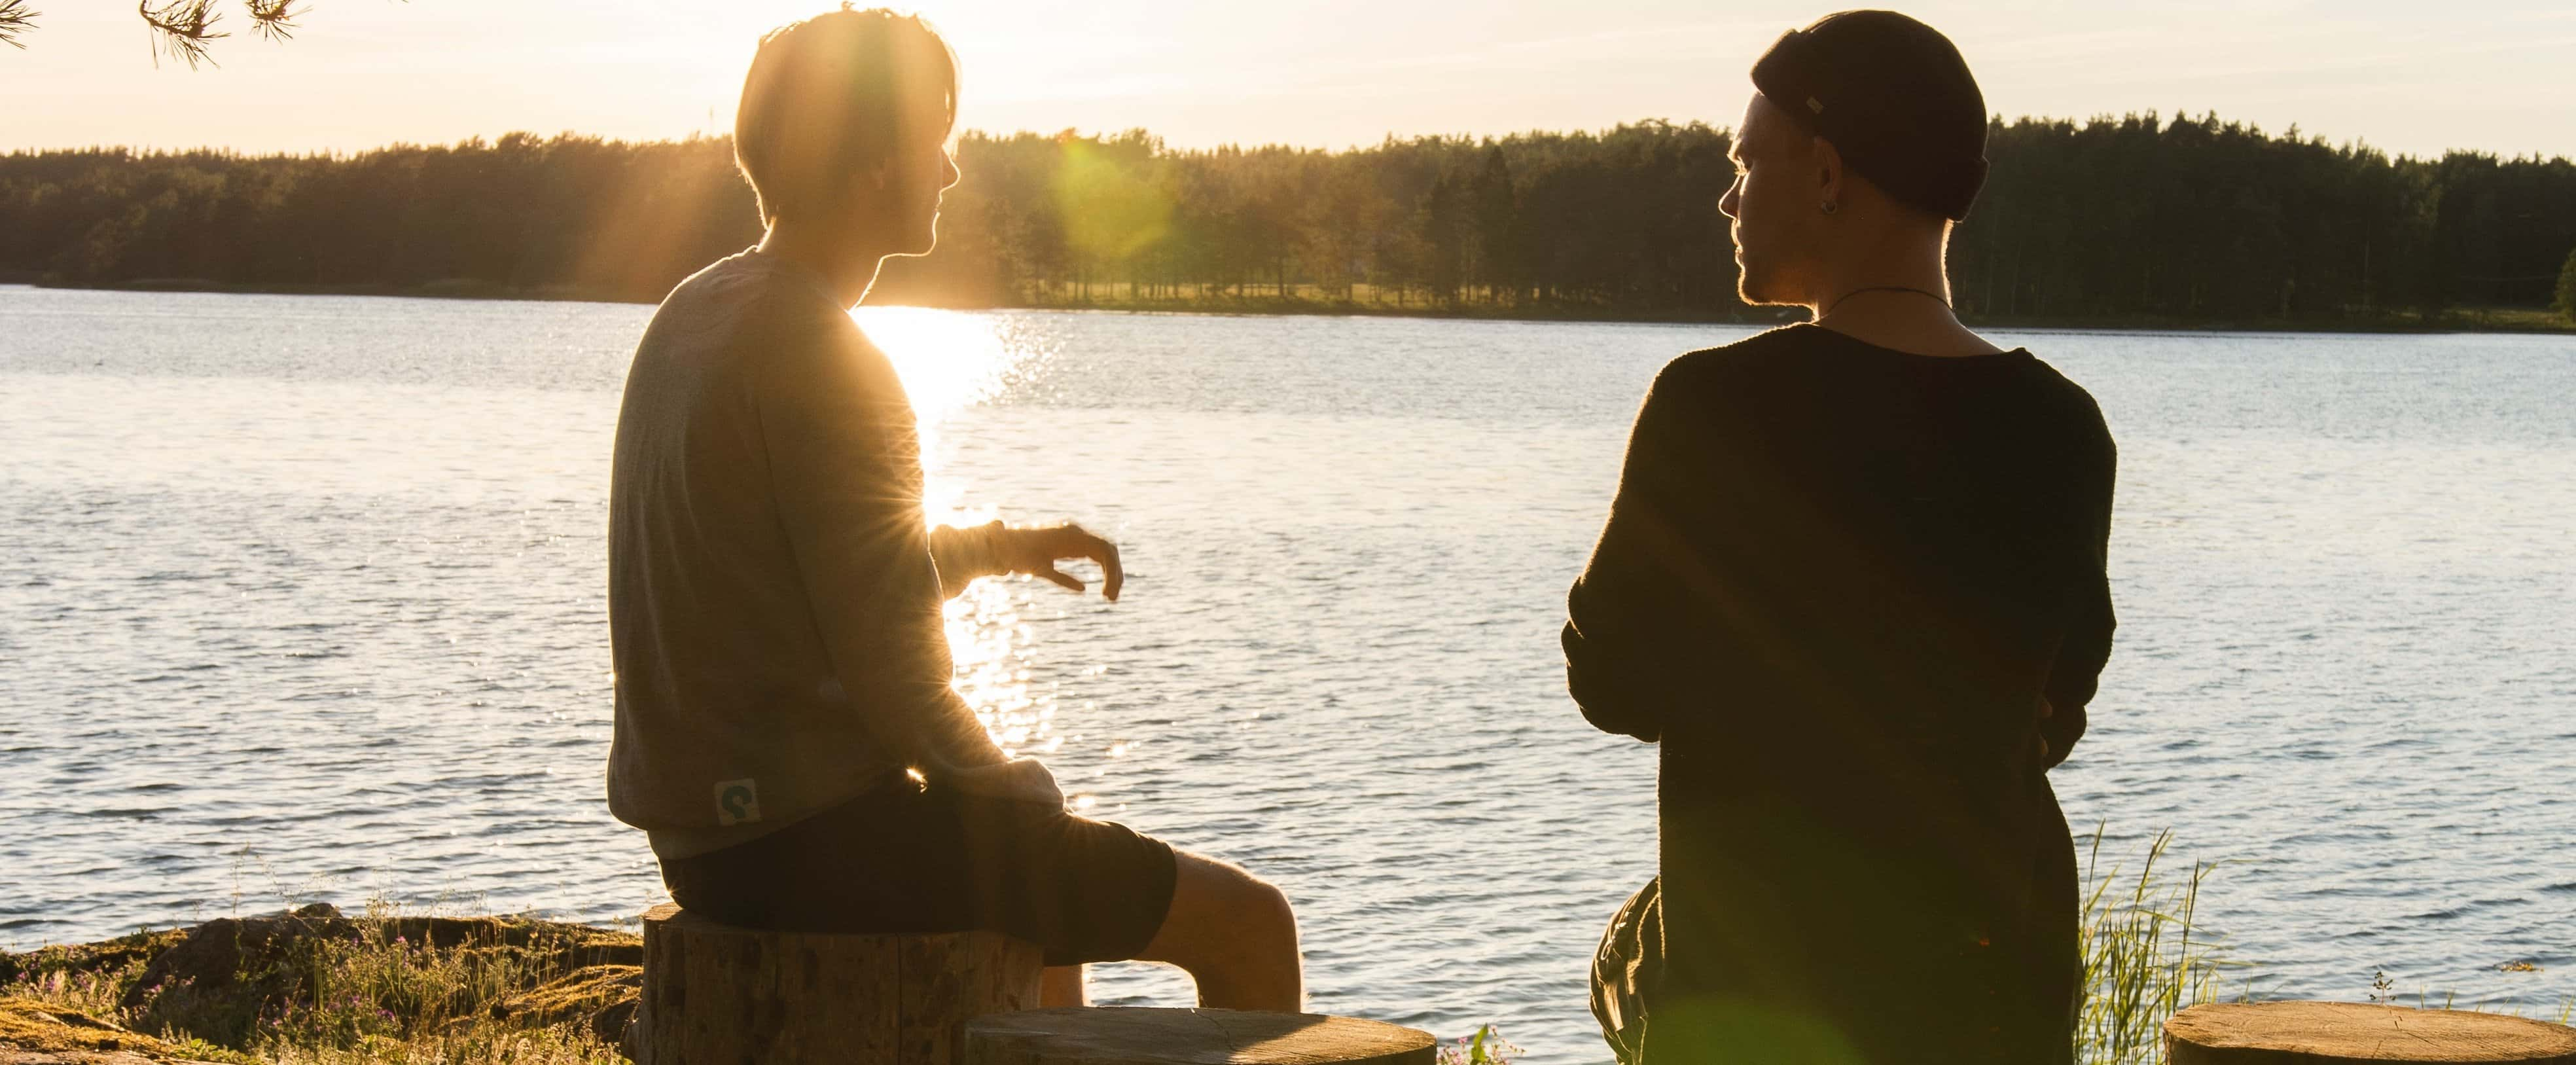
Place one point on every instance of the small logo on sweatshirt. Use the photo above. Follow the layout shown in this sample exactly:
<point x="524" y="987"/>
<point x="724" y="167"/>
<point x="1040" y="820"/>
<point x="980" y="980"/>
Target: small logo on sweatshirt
<point x="737" y="801"/>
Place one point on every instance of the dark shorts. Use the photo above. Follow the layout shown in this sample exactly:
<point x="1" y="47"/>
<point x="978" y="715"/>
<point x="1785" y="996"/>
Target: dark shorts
<point x="902" y="860"/>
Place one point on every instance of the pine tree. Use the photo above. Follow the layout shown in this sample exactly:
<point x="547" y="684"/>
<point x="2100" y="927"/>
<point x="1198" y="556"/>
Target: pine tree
<point x="2566" y="302"/>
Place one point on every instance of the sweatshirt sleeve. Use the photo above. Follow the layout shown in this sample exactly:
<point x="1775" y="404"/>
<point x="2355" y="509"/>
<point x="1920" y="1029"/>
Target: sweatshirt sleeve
<point x="963" y="555"/>
<point x="2085" y="648"/>
<point x="1626" y="610"/>
<point x="844" y="468"/>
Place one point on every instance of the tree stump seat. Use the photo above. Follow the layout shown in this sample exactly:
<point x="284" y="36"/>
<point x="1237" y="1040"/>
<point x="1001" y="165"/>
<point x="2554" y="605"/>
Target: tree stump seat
<point x="1141" y="1036"/>
<point x="2317" y="1033"/>
<point x="716" y="993"/>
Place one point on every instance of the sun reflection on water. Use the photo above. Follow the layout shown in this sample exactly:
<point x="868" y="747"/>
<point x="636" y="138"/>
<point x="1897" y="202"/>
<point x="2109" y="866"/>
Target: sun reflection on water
<point x="950" y="361"/>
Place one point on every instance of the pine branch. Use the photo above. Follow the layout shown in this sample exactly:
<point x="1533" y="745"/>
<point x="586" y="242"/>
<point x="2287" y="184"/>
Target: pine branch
<point x="273" y="19"/>
<point x="183" y="27"/>
<point x="15" y="19"/>
<point x="180" y="28"/>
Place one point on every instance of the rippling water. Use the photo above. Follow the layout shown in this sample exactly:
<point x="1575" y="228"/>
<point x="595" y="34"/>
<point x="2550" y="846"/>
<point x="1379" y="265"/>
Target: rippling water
<point x="302" y="597"/>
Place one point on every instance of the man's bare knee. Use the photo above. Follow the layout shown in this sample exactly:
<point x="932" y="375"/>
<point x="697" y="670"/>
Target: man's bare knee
<point x="1235" y="933"/>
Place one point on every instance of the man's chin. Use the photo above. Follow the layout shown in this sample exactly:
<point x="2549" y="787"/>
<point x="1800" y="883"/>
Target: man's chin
<point x="919" y="247"/>
<point x="1755" y="296"/>
<point x="1757" y="290"/>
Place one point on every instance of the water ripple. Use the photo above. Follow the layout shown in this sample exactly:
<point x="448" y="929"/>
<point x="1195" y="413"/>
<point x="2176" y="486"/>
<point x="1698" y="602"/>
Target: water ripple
<point x="320" y="615"/>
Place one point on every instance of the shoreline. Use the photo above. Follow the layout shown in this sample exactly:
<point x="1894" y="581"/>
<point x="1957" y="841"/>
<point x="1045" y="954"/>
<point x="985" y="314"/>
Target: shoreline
<point x="311" y="985"/>
<point x="2518" y="320"/>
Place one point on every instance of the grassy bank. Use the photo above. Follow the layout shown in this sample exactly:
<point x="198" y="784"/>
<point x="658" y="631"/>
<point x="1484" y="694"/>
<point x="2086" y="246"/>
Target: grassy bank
<point x="1362" y="301"/>
<point x="314" y="987"/>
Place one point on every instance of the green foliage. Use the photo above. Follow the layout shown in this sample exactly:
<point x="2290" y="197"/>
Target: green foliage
<point x="2141" y="962"/>
<point x="2133" y="220"/>
<point x="1485" y="1047"/>
<point x="2565" y="303"/>
<point x="2199" y="220"/>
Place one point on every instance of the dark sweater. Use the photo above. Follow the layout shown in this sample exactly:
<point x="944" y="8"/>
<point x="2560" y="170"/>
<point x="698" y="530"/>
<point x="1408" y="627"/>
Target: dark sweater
<point x="1837" y="584"/>
<point x="773" y="592"/>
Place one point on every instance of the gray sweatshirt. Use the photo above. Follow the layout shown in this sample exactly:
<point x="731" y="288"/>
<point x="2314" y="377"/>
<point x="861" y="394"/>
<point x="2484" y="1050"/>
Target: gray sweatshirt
<point x="773" y="592"/>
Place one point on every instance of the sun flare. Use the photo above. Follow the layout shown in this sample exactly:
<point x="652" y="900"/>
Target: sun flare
<point x="949" y="361"/>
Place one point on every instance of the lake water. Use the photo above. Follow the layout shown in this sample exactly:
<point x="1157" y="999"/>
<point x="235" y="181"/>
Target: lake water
<point x="303" y="598"/>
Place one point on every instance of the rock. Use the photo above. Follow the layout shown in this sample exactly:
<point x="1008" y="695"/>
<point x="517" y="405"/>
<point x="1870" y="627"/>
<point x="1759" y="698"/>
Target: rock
<point x="14" y="1056"/>
<point x="223" y="976"/>
<point x="600" y="998"/>
<point x="33" y="1032"/>
<point x="218" y="981"/>
<point x="106" y="959"/>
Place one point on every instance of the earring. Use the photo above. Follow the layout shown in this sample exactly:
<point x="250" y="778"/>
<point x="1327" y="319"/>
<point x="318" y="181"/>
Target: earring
<point x="1830" y="207"/>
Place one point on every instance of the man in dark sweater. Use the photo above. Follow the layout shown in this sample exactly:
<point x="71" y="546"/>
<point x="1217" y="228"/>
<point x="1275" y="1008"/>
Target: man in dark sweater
<point x="786" y="733"/>
<point x="1853" y="585"/>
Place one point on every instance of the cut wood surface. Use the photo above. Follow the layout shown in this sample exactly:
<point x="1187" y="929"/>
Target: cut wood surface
<point x="1139" y="1036"/>
<point x="2301" y="1033"/>
<point x="719" y="994"/>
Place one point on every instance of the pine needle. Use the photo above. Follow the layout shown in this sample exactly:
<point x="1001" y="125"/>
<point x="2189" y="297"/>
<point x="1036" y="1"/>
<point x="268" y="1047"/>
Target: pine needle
<point x="16" y="18"/>
<point x="274" y="19"/>
<point x="181" y="29"/>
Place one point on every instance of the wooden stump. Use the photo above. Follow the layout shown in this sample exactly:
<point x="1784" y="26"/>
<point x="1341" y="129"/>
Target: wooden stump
<point x="719" y="994"/>
<point x="1133" y="1036"/>
<point x="2315" y="1033"/>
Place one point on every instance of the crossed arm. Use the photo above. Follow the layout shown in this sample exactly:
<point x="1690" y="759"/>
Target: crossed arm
<point x="1630" y="616"/>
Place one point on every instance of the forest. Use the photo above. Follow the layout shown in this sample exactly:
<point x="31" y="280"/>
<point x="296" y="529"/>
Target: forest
<point x="2138" y="220"/>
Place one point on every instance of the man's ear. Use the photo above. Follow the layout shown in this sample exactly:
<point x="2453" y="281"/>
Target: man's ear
<point x="1827" y="162"/>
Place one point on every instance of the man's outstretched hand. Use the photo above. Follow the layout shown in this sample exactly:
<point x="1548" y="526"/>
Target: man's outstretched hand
<point x="1035" y="551"/>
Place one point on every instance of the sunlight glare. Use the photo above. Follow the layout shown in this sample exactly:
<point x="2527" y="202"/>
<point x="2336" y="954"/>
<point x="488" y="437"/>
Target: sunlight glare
<point x="949" y="361"/>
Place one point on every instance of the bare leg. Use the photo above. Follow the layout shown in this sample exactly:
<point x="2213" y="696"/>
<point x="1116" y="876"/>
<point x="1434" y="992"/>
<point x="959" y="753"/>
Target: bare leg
<point x="1061" y="985"/>
<point x="1234" y="934"/>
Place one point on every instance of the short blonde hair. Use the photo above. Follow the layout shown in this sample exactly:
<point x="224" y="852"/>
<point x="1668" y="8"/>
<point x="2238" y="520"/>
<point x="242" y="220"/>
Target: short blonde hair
<point x="835" y="94"/>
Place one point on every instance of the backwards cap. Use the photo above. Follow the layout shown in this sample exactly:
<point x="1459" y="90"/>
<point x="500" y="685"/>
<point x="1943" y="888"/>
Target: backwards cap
<point x="1895" y="99"/>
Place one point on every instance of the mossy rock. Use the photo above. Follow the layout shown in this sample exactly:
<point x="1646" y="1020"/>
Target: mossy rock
<point x="224" y="976"/>
<point x="597" y="998"/>
<point x="113" y="958"/>
<point x="35" y="1033"/>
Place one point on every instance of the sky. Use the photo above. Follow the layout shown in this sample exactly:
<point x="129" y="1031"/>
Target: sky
<point x="2415" y="78"/>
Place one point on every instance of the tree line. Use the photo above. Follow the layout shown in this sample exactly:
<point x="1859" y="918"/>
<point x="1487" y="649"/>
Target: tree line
<point x="2136" y="219"/>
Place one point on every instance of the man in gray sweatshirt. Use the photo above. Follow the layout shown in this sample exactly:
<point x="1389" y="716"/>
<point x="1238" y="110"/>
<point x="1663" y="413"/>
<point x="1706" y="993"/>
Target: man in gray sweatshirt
<point x="787" y="734"/>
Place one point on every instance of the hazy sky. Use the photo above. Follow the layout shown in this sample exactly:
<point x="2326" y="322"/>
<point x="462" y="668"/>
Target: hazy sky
<point x="2495" y="75"/>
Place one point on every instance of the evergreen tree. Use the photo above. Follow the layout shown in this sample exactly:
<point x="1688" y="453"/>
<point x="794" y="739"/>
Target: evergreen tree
<point x="2136" y="220"/>
<point x="2566" y="301"/>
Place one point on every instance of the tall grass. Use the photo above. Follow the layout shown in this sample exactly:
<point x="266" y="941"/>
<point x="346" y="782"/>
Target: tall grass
<point x="379" y="997"/>
<point x="369" y="995"/>
<point x="2145" y="957"/>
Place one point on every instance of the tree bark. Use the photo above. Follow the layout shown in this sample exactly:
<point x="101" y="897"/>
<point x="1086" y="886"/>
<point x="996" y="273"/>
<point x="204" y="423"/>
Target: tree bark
<point x="719" y="994"/>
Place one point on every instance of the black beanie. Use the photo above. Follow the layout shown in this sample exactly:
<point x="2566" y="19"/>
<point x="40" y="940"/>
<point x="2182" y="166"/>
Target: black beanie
<point x="1895" y="99"/>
